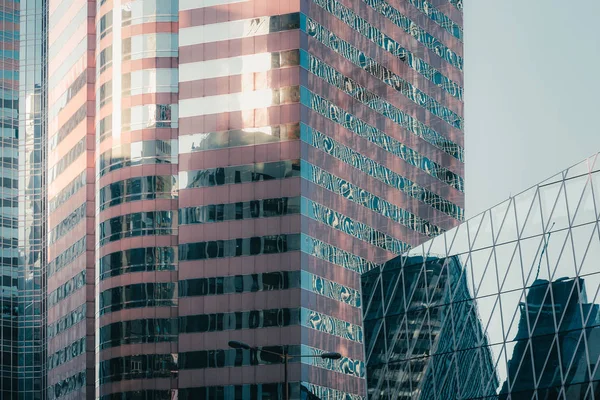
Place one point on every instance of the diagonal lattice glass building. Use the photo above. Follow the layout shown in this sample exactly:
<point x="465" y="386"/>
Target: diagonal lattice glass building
<point x="504" y="306"/>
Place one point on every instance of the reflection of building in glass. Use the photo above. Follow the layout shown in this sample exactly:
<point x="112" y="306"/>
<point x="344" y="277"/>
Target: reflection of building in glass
<point x="549" y="349"/>
<point x="414" y="335"/>
<point x="494" y="309"/>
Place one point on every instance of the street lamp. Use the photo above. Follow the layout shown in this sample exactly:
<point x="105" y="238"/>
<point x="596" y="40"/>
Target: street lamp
<point x="234" y="344"/>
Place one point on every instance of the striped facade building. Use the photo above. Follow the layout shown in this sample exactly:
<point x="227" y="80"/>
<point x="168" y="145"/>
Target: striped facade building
<point x="225" y="170"/>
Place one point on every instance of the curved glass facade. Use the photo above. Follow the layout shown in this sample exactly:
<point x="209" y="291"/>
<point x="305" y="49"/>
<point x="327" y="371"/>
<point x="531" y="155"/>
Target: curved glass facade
<point x="505" y="306"/>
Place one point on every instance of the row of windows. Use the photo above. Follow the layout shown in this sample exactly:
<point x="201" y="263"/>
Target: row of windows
<point x="150" y="394"/>
<point x="381" y="173"/>
<point x="438" y="17"/>
<point x="139" y="12"/>
<point x="349" y="121"/>
<point x="241" y="210"/>
<point x="138" y="295"/>
<point x="325" y="251"/>
<point x="105" y="24"/>
<point x="233" y="357"/>
<point x="69" y="190"/>
<point x="103" y="94"/>
<point x="239" y="247"/>
<point x="67" y="224"/>
<point x="70" y="125"/>
<point x="330" y="289"/>
<point x="104" y="59"/>
<point x="66" y="289"/>
<point x="357" y="229"/>
<point x="145" y="116"/>
<point x="160" y="80"/>
<point x="254" y="319"/>
<point x="238" y="138"/>
<point x="312" y="28"/>
<point x="138" y="331"/>
<point x="67" y="160"/>
<point x="266" y="281"/>
<point x="352" y="88"/>
<point x="138" y="153"/>
<point x="330" y="325"/>
<point x="139" y="188"/>
<point x="239" y="174"/>
<point x="137" y="260"/>
<point x="66" y="322"/>
<point x="366" y="199"/>
<point x="261" y="391"/>
<point x="137" y="367"/>
<point x="66" y="386"/>
<point x="410" y="27"/>
<point x="62" y="356"/>
<point x="67" y="257"/>
<point x="136" y="224"/>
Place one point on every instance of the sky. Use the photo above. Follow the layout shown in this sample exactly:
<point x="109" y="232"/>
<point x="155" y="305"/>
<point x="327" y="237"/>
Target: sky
<point x="532" y="93"/>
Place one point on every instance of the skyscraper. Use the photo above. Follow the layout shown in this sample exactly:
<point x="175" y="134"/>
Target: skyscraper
<point x="225" y="170"/>
<point x="504" y="306"/>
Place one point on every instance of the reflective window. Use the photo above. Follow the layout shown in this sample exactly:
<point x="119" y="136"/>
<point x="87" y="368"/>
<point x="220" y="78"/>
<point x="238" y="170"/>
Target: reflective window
<point x="138" y="331"/>
<point x="263" y="391"/>
<point x="334" y="255"/>
<point x="239" y="284"/>
<point x="71" y="384"/>
<point x="161" y="80"/>
<point x="233" y="357"/>
<point x="312" y="28"/>
<point x="360" y="196"/>
<point x="150" y="45"/>
<point x="351" y="227"/>
<point x="104" y="128"/>
<point x="105" y="25"/>
<point x="138" y="153"/>
<point x="66" y="322"/>
<point x="67" y="257"/>
<point x="150" y="394"/>
<point x="136" y="224"/>
<point x="150" y="116"/>
<point x="75" y="349"/>
<point x="242" y="210"/>
<point x="254" y="319"/>
<point x="104" y="59"/>
<point x="239" y="174"/>
<point x="76" y="151"/>
<point x="238" y="137"/>
<point x="381" y="173"/>
<point x="138" y="295"/>
<point x="330" y="289"/>
<point x="139" y="12"/>
<point x="457" y="3"/>
<point x="137" y="367"/>
<point x="104" y="94"/>
<point x="67" y="289"/>
<point x="67" y="224"/>
<point x="69" y="190"/>
<point x="439" y="17"/>
<point x="370" y="99"/>
<point x="135" y="189"/>
<point x="239" y="247"/>
<point x="414" y="30"/>
<point x="137" y="260"/>
<point x="63" y="100"/>
<point x="330" y="325"/>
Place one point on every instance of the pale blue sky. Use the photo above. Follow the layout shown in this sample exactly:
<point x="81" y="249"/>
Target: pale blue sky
<point x="532" y="93"/>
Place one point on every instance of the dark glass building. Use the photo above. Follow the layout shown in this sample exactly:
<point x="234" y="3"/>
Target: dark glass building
<point x="505" y="306"/>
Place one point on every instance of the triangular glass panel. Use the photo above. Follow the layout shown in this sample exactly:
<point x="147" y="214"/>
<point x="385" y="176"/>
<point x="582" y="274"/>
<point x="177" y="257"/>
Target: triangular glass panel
<point x="498" y="214"/>
<point x="436" y="247"/>
<point x="473" y="228"/>
<point x="533" y="262"/>
<point x="595" y="179"/>
<point x="483" y="272"/>
<point x="582" y="168"/>
<point x="498" y="354"/>
<point x="574" y="358"/>
<point x="589" y="297"/>
<point x="549" y="196"/>
<point x="520" y="368"/>
<point x="513" y="309"/>
<point x="397" y="337"/>
<point x="460" y="241"/>
<point x="559" y="219"/>
<point x="374" y="332"/>
<point x="533" y="226"/>
<point x="524" y="204"/>
<point x="507" y="231"/>
<point x="485" y="236"/>
<point x="508" y="264"/>
<point x="581" y="200"/>
<point x="586" y="241"/>
<point x="490" y="316"/>
<point x="561" y="261"/>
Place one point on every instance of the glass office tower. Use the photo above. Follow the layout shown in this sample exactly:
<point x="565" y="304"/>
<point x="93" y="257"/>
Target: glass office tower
<point x="504" y="306"/>
<point x="23" y="199"/>
<point x="225" y="170"/>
